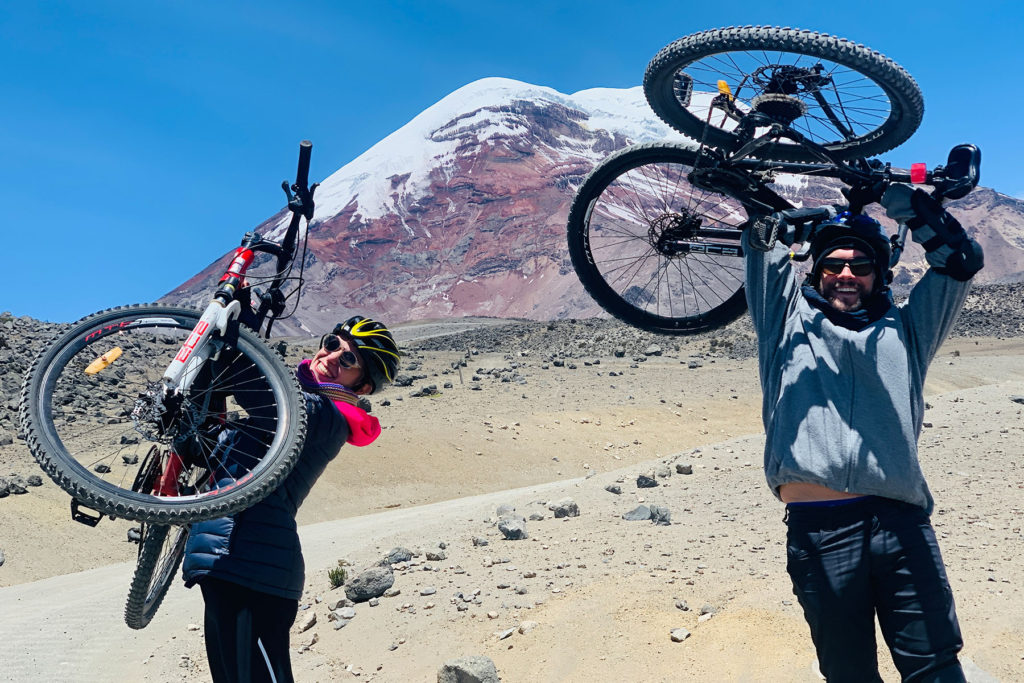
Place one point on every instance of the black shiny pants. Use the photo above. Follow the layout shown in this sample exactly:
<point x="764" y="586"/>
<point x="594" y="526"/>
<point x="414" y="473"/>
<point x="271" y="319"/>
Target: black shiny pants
<point x="873" y="557"/>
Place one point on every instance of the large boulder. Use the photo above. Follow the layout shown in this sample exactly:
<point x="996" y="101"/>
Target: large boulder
<point x="372" y="583"/>
<point x="471" y="669"/>
<point x="566" y="507"/>
<point x="513" y="527"/>
<point x="638" y="514"/>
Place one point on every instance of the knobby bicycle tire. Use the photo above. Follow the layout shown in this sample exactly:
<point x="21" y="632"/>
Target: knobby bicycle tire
<point x="161" y="549"/>
<point x="629" y="227"/>
<point x="90" y="431"/>
<point x="681" y="79"/>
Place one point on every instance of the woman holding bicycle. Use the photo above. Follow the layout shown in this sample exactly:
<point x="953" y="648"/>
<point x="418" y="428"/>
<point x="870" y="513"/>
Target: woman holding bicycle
<point x="249" y="566"/>
<point x="842" y="372"/>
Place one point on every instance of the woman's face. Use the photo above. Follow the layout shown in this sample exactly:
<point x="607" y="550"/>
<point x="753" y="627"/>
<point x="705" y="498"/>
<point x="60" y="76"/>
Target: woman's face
<point x="337" y="366"/>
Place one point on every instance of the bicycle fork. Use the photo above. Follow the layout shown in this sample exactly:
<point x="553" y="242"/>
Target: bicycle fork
<point x="197" y="349"/>
<point x="224" y="308"/>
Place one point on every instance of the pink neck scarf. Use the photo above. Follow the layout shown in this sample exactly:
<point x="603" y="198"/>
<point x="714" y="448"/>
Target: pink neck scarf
<point x="363" y="428"/>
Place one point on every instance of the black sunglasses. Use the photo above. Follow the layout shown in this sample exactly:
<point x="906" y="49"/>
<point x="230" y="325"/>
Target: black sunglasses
<point x="331" y="343"/>
<point x="860" y="267"/>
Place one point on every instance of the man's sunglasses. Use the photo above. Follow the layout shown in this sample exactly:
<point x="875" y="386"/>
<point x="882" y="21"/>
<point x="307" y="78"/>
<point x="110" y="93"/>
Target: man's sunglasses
<point x="331" y="343"/>
<point x="860" y="267"/>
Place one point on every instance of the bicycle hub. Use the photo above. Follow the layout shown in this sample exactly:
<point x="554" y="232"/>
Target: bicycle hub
<point x="782" y="108"/>
<point x="779" y="85"/>
<point x="670" y="231"/>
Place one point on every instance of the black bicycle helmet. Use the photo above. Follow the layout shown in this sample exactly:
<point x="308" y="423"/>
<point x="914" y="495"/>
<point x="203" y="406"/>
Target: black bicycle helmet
<point x="853" y="231"/>
<point x="376" y="345"/>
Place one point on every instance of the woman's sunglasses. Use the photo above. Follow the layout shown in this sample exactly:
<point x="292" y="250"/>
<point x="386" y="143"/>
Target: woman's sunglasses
<point x="331" y="343"/>
<point x="860" y="267"/>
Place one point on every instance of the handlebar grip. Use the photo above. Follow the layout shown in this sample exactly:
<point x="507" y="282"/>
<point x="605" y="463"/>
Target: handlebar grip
<point x="302" y="174"/>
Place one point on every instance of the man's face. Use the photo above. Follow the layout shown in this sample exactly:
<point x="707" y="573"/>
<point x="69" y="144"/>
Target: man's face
<point x="343" y="365"/>
<point x="839" y="285"/>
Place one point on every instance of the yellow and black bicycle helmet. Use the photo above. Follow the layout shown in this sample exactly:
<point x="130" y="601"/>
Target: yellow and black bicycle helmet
<point x="376" y="345"/>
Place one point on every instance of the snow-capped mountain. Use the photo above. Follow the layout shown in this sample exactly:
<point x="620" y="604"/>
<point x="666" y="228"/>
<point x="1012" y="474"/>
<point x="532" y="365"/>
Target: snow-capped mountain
<point x="436" y="143"/>
<point x="462" y="211"/>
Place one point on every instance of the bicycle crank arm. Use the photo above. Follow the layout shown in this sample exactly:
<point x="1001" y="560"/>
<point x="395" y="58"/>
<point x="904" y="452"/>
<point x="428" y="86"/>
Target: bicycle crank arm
<point x="777" y="131"/>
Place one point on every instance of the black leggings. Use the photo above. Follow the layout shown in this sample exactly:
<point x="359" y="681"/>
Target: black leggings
<point x="247" y="633"/>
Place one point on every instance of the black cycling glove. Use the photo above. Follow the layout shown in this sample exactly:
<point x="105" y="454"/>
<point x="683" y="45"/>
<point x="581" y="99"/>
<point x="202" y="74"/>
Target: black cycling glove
<point x="860" y="196"/>
<point x="948" y="247"/>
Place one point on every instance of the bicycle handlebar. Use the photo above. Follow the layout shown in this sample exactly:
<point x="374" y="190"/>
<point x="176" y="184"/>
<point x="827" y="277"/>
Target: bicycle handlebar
<point x="302" y="173"/>
<point x="272" y="302"/>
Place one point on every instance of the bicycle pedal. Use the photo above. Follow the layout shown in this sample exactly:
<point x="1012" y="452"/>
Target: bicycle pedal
<point x="78" y="513"/>
<point x="764" y="231"/>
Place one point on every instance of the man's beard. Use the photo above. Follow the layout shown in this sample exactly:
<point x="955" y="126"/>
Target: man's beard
<point x="843" y="304"/>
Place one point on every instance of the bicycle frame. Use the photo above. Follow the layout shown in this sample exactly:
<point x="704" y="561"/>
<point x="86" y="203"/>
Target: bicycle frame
<point x="746" y="179"/>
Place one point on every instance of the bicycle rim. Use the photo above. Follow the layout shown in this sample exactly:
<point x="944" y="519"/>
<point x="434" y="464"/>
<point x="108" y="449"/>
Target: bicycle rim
<point x="848" y="98"/>
<point x="653" y="249"/>
<point x="161" y="549"/>
<point x="91" y="418"/>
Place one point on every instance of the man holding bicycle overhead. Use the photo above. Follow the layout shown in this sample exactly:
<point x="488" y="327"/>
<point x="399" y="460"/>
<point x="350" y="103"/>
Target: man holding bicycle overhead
<point x="842" y="372"/>
<point x="249" y="566"/>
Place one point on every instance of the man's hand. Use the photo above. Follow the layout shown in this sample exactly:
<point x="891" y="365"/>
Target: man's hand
<point x="947" y="246"/>
<point x="860" y="196"/>
<point x="798" y="224"/>
<point x="896" y="201"/>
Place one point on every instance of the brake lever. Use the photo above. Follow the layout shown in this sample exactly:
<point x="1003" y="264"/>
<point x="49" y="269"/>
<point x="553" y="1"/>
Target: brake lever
<point x="803" y="253"/>
<point x="897" y="243"/>
<point x="301" y="202"/>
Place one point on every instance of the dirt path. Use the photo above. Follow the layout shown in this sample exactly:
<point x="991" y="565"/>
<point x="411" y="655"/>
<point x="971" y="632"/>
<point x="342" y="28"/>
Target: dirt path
<point x="602" y="591"/>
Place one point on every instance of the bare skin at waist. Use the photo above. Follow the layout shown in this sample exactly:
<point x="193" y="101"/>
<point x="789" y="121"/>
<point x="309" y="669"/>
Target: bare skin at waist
<point x="802" y="492"/>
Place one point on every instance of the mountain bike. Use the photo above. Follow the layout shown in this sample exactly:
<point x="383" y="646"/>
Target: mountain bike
<point x="655" y="230"/>
<point x="99" y="397"/>
<point x="166" y="382"/>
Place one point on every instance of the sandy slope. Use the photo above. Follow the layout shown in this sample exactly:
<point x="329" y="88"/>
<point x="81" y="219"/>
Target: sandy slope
<point x="604" y="590"/>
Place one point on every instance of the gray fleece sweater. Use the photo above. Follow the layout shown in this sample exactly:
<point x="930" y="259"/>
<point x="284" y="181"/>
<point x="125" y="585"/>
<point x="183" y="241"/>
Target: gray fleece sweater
<point x="844" y="408"/>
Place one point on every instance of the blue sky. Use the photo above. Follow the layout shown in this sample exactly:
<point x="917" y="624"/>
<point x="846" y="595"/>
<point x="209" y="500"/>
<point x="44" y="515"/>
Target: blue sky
<point x="139" y="140"/>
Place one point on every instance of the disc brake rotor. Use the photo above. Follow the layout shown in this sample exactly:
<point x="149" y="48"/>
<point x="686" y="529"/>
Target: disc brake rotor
<point x="786" y="79"/>
<point x="669" y="230"/>
<point x="162" y="418"/>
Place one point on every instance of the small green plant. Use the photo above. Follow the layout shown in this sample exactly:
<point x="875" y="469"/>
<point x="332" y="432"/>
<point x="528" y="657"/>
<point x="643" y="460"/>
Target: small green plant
<point x="337" y="575"/>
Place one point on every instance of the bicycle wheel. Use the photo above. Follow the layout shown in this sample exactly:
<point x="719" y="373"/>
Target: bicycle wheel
<point x="654" y="250"/>
<point x="89" y="422"/>
<point x="161" y="549"/>
<point x="852" y="100"/>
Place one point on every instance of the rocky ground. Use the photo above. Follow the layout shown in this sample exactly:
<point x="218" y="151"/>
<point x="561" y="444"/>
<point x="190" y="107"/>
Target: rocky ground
<point x="579" y="410"/>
